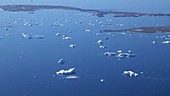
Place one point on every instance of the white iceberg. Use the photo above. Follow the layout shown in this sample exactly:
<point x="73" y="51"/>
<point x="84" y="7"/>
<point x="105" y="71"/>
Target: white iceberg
<point x="66" y="37"/>
<point x="27" y="36"/>
<point x="130" y="73"/>
<point x="72" y="45"/>
<point x="70" y="71"/>
<point x="109" y="54"/>
<point x="100" y="42"/>
<point x="102" y="47"/>
<point x="166" y="42"/>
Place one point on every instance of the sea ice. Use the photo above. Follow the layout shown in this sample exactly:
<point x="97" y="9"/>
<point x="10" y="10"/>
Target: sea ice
<point x="102" y="80"/>
<point x="39" y="36"/>
<point x="70" y="71"/>
<point x="102" y="47"/>
<point x="109" y="54"/>
<point x="27" y="36"/>
<point x="119" y="51"/>
<point x="100" y="42"/>
<point x="57" y="34"/>
<point x="153" y="42"/>
<point x="72" y="77"/>
<point x="86" y="30"/>
<point x="61" y="61"/>
<point x="166" y="42"/>
<point x="66" y="37"/>
<point x="130" y="73"/>
<point x="72" y="45"/>
<point x="125" y="55"/>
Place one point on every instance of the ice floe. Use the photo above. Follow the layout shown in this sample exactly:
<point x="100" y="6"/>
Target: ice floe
<point x="27" y="36"/>
<point x="61" y="61"/>
<point x="7" y="34"/>
<point x="166" y="42"/>
<point x="31" y="36"/>
<point x="125" y="55"/>
<point x="130" y="73"/>
<point x="102" y="46"/>
<point x="120" y="54"/>
<point x="109" y="53"/>
<point x="100" y="42"/>
<point x="57" y="34"/>
<point x="153" y="42"/>
<point x="66" y="37"/>
<point x="71" y="77"/>
<point x="86" y="30"/>
<point x="67" y="72"/>
<point x="72" y="45"/>
<point x="102" y="80"/>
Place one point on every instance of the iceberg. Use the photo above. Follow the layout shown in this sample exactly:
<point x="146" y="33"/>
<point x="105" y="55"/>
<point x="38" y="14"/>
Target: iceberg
<point x="66" y="37"/>
<point x="109" y="54"/>
<point x="130" y="73"/>
<point x="166" y="42"/>
<point x="72" y="45"/>
<point x="100" y="42"/>
<point x="70" y="71"/>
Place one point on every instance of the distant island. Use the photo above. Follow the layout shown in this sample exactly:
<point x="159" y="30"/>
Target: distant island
<point x="99" y="13"/>
<point x="142" y="29"/>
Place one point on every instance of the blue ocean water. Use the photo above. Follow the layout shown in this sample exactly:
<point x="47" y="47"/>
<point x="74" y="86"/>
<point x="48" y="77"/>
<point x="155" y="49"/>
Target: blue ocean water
<point x="28" y="66"/>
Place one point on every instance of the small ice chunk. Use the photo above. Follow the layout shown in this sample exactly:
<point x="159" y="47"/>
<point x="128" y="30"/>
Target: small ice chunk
<point x="27" y="36"/>
<point x="98" y="34"/>
<point x="70" y="71"/>
<point x="57" y="34"/>
<point x="66" y="37"/>
<point x="119" y="51"/>
<point x="153" y="42"/>
<point x="166" y="42"/>
<point x="86" y="30"/>
<point x="102" y="80"/>
<point x="106" y="38"/>
<point x="122" y="55"/>
<point x="100" y="42"/>
<point x="72" y="77"/>
<point x="7" y="34"/>
<point x="102" y="47"/>
<point x="61" y="61"/>
<point x="109" y="54"/>
<point x="129" y="51"/>
<point x="72" y="45"/>
<point x="1" y="9"/>
<point x="131" y="55"/>
<point x="6" y="28"/>
<point x="130" y="73"/>
<point x="100" y="23"/>
<point x="39" y="36"/>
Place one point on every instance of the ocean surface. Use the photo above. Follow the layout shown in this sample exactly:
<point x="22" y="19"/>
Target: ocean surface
<point x="33" y="43"/>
